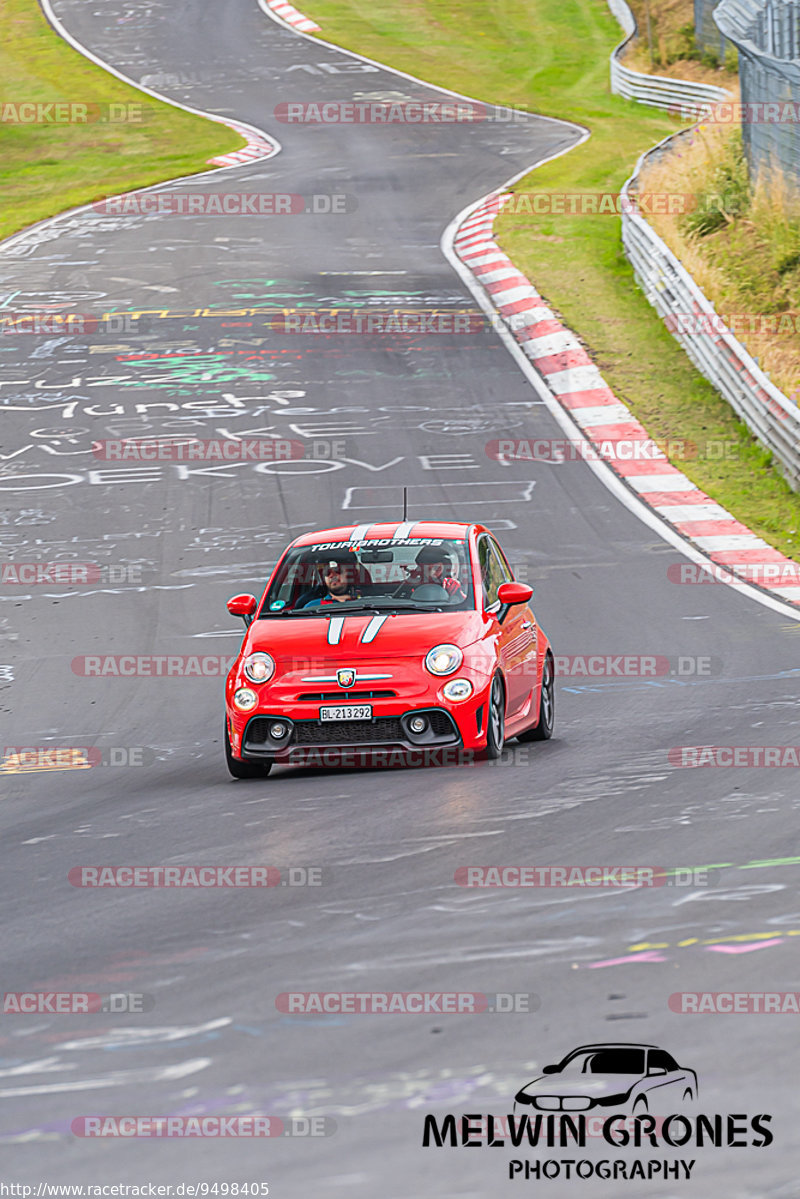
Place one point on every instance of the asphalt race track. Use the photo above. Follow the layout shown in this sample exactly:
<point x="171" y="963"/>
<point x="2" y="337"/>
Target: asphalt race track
<point x="415" y="411"/>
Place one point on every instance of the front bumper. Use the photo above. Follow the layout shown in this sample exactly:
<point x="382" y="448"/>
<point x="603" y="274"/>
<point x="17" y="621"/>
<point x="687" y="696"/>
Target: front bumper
<point x="307" y="739"/>
<point x="451" y="729"/>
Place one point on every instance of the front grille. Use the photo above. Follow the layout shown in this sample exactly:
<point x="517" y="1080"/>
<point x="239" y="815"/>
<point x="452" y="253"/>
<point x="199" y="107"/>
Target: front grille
<point x="387" y="730"/>
<point x="348" y="732"/>
<point x="338" y="697"/>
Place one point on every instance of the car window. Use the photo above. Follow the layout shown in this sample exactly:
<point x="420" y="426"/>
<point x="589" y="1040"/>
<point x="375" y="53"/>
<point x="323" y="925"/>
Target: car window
<point x="407" y="573"/>
<point x="493" y="570"/>
<point x="509" y="574"/>
<point x="616" y="1061"/>
<point x="659" y="1058"/>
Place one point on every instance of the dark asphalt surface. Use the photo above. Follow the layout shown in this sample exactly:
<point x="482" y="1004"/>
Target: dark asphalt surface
<point x="388" y="915"/>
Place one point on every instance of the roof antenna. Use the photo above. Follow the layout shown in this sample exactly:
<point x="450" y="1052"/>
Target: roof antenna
<point x="405" y="504"/>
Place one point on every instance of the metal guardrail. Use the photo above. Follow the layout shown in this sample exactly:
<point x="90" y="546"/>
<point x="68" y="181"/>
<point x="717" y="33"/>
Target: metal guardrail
<point x="657" y="91"/>
<point x="716" y="353"/>
<point x="768" y="413"/>
<point x="767" y="35"/>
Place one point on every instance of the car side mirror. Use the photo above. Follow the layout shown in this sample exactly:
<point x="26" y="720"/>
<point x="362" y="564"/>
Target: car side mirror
<point x="244" y="606"/>
<point x="657" y="1070"/>
<point x="511" y="594"/>
<point x="547" y="1069"/>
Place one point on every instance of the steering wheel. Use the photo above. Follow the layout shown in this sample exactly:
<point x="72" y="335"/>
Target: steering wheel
<point x="430" y="593"/>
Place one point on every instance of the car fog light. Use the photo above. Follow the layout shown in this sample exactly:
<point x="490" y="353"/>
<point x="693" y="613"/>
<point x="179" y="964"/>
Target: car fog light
<point x="457" y="689"/>
<point x="245" y="699"/>
<point x="277" y="731"/>
<point x="418" y="724"/>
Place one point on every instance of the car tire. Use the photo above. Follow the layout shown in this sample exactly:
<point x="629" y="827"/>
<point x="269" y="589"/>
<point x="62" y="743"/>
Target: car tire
<point x="640" y="1106"/>
<point x="543" y="729"/>
<point x="244" y="770"/>
<point x="496" y="720"/>
<point x="688" y="1095"/>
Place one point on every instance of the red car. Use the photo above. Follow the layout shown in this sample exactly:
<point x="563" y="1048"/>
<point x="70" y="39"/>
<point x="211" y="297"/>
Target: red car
<point x="383" y="643"/>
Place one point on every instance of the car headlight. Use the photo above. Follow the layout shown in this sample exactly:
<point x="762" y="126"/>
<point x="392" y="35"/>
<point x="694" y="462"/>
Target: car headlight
<point x="259" y="668"/>
<point x="443" y="659"/>
<point x="457" y="689"/>
<point x="245" y="699"/>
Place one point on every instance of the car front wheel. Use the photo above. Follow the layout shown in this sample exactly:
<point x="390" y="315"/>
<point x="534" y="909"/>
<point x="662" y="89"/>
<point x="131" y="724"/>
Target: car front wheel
<point x="244" y="770"/>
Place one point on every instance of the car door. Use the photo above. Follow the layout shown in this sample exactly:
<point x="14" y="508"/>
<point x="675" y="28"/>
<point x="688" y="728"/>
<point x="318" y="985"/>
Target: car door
<point x="517" y="639"/>
<point x="666" y="1084"/>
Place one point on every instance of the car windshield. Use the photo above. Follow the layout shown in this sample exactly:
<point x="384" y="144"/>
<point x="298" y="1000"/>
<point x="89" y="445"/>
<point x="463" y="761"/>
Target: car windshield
<point x="606" y="1061"/>
<point x="423" y="574"/>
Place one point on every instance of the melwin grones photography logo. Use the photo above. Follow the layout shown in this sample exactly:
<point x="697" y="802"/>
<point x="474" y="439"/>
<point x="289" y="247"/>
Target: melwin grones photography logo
<point x="631" y="1097"/>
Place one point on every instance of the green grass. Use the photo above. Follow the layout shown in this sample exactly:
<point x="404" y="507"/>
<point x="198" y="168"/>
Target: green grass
<point x="47" y="168"/>
<point x="551" y="56"/>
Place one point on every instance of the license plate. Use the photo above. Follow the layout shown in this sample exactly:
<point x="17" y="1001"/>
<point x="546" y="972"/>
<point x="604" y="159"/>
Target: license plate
<point x="347" y="712"/>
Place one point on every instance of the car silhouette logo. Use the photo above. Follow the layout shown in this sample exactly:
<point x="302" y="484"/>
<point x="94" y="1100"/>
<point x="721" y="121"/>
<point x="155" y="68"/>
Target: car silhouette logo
<point x="614" y="1075"/>
<point x="345" y="678"/>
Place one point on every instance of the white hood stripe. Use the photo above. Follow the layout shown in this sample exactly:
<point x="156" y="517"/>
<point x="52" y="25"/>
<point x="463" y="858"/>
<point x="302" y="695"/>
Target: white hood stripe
<point x="335" y="627"/>
<point x="372" y="629"/>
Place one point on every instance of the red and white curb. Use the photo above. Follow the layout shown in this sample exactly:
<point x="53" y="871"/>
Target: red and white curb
<point x="258" y="146"/>
<point x="289" y="14"/>
<point x="580" y="389"/>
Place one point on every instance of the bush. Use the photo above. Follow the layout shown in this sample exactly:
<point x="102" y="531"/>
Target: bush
<point x="728" y="196"/>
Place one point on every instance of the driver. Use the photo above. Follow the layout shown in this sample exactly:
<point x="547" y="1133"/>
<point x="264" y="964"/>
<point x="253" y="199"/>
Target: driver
<point x="434" y="565"/>
<point x="338" y="577"/>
